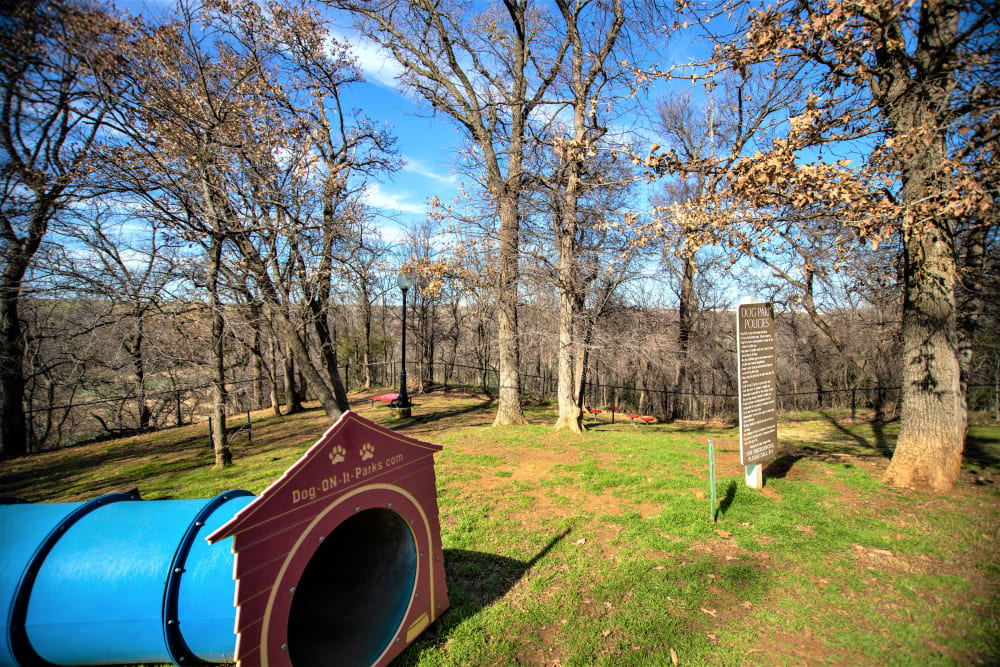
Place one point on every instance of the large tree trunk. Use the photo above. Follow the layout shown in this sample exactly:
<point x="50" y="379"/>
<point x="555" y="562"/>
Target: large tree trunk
<point x="933" y="416"/>
<point x="13" y="426"/>
<point x="570" y="414"/>
<point x="216" y="358"/>
<point x="685" y="324"/>
<point x="565" y="228"/>
<point x="509" y="409"/>
<point x="507" y="194"/>
<point x="134" y="347"/>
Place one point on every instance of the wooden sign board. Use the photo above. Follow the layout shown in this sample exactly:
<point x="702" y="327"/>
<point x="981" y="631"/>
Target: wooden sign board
<point x="339" y="561"/>
<point x="757" y="386"/>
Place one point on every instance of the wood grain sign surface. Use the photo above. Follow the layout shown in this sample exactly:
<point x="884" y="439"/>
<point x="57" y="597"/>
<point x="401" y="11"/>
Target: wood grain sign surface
<point x="757" y="389"/>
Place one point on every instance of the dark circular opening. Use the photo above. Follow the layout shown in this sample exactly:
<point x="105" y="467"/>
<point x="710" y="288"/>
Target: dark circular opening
<point x="354" y="592"/>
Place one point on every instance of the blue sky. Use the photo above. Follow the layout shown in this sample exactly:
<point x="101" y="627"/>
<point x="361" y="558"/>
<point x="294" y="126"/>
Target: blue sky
<point x="427" y="144"/>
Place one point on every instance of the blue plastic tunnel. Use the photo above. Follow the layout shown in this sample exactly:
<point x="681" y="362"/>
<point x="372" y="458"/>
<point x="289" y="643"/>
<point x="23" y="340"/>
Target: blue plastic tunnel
<point x="117" y="580"/>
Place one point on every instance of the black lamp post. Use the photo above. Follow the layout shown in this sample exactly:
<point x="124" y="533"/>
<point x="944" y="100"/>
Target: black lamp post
<point x="403" y="404"/>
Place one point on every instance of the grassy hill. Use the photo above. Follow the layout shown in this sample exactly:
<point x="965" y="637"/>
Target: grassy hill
<point x="599" y="549"/>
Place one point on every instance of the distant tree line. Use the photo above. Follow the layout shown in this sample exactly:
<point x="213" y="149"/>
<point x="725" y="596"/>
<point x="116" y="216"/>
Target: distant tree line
<point x="109" y="388"/>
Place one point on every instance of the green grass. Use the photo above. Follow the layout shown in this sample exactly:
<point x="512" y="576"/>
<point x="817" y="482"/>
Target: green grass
<point x="597" y="549"/>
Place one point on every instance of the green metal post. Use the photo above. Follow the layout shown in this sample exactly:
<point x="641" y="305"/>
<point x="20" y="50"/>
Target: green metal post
<point x="711" y="476"/>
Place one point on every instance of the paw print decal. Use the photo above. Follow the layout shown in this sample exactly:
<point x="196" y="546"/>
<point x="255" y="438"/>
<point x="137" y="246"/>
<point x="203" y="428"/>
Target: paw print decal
<point x="367" y="451"/>
<point x="337" y="455"/>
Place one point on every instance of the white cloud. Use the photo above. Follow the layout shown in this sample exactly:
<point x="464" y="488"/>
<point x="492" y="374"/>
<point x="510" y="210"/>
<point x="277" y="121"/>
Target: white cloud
<point x="553" y="114"/>
<point x="377" y="64"/>
<point x="393" y="232"/>
<point x="421" y="169"/>
<point x="391" y="201"/>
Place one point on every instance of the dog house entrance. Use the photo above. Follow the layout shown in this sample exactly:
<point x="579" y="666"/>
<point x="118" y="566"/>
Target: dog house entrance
<point x="354" y="592"/>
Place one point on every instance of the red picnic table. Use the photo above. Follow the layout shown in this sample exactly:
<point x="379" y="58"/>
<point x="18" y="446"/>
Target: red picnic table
<point x="384" y="398"/>
<point x="594" y="412"/>
<point x="613" y="409"/>
<point x="641" y="418"/>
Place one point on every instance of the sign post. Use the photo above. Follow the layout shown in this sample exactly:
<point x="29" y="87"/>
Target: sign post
<point x="757" y="388"/>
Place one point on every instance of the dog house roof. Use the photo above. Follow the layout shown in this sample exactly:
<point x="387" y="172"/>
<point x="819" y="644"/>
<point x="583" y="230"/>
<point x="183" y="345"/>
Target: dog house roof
<point x="353" y="452"/>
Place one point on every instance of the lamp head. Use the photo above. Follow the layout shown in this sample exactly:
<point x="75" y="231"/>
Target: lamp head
<point x="405" y="281"/>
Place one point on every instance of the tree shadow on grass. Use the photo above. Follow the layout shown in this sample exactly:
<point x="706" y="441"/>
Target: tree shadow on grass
<point x="475" y="580"/>
<point x="829" y="450"/>
<point x="70" y="477"/>
<point x="419" y="420"/>
<point x="982" y="451"/>
<point x="880" y="443"/>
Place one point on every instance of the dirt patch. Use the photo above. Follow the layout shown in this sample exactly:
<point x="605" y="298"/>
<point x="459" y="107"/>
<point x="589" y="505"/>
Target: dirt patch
<point x="802" y="648"/>
<point x="546" y="650"/>
<point x="884" y="560"/>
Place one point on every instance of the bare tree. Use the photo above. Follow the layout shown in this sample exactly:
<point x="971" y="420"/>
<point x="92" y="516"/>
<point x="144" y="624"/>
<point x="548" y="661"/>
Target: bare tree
<point x="915" y="85"/>
<point x="593" y="33"/>
<point x="364" y="269"/>
<point x="131" y="273"/>
<point x="489" y="69"/>
<point x="238" y="134"/>
<point x="52" y="56"/>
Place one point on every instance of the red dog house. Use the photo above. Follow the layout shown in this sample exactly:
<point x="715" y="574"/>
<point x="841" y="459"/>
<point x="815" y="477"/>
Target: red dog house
<point x="339" y="561"/>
